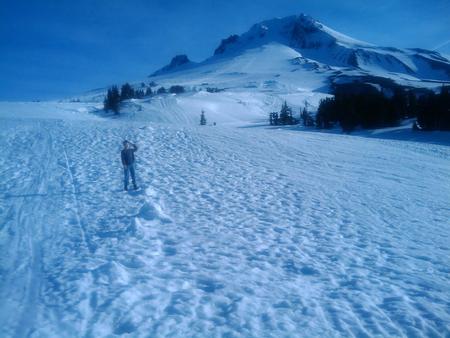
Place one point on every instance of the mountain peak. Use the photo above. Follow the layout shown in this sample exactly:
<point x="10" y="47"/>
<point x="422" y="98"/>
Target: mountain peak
<point x="178" y="62"/>
<point x="307" y="21"/>
<point x="297" y="31"/>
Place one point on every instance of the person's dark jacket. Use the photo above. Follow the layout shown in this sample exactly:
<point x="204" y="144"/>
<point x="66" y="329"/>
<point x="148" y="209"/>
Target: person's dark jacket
<point x="127" y="155"/>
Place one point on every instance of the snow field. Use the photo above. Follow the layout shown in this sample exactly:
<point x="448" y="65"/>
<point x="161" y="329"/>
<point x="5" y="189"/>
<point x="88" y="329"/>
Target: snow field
<point x="235" y="232"/>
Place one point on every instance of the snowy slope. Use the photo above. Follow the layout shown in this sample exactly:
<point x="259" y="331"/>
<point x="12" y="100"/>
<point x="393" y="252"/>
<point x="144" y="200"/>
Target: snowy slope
<point x="239" y="232"/>
<point x="250" y="86"/>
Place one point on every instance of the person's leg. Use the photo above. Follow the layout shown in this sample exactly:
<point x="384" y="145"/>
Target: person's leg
<point x="133" y="175"/>
<point x="125" y="177"/>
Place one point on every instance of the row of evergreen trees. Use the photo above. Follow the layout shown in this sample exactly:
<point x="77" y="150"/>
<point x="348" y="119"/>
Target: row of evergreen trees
<point x="364" y="106"/>
<point x="368" y="109"/>
<point x="286" y="117"/>
<point x="372" y="109"/>
<point x="114" y="96"/>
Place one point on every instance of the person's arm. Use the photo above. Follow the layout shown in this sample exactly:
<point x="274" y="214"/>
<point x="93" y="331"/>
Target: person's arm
<point x="123" y="158"/>
<point x="135" y="147"/>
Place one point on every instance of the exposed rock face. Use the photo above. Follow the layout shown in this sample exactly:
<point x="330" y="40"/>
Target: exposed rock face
<point x="177" y="62"/>
<point x="226" y="42"/>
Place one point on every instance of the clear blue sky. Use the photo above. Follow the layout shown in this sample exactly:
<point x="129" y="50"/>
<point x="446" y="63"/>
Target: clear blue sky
<point x="58" y="48"/>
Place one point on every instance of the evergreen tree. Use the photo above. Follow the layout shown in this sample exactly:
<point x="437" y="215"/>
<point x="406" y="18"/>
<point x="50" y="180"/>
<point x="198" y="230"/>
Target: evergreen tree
<point x="148" y="91"/>
<point x="106" y="101"/>
<point x="412" y="104"/>
<point x="324" y="113"/>
<point x="424" y="111"/>
<point x="202" y="119"/>
<point x="444" y="109"/>
<point x="286" y="114"/>
<point x="112" y="100"/>
<point x="433" y="112"/>
<point x="127" y="92"/>
<point x="273" y="119"/>
<point x="400" y="103"/>
<point x="348" y="120"/>
<point x="139" y="94"/>
<point x="162" y="90"/>
<point x="176" y="89"/>
<point x="306" y="117"/>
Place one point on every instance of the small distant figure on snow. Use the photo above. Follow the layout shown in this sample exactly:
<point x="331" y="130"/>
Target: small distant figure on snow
<point x="202" y="119"/>
<point x="127" y="155"/>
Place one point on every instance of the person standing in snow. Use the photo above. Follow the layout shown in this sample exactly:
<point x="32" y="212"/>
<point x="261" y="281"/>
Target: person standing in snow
<point x="127" y="155"/>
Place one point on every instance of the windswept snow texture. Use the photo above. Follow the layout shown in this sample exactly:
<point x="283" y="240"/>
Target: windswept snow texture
<point x="236" y="232"/>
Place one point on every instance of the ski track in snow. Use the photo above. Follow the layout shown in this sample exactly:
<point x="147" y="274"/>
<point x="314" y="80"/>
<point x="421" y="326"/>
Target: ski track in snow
<point x="234" y="232"/>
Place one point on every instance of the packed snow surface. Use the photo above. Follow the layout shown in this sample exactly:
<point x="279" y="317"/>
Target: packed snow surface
<point x="237" y="230"/>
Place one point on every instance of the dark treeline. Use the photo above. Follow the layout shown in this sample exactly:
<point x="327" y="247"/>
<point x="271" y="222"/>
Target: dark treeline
<point x="433" y="111"/>
<point x="365" y="107"/>
<point x="114" y="96"/>
<point x="369" y="108"/>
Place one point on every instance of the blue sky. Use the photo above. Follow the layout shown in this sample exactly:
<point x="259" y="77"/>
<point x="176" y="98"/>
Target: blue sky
<point x="57" y="48"/>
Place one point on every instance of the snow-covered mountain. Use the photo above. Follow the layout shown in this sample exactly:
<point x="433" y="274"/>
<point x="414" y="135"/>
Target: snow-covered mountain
<point x="299" y="44"/>
<point x="295" y="58"/>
